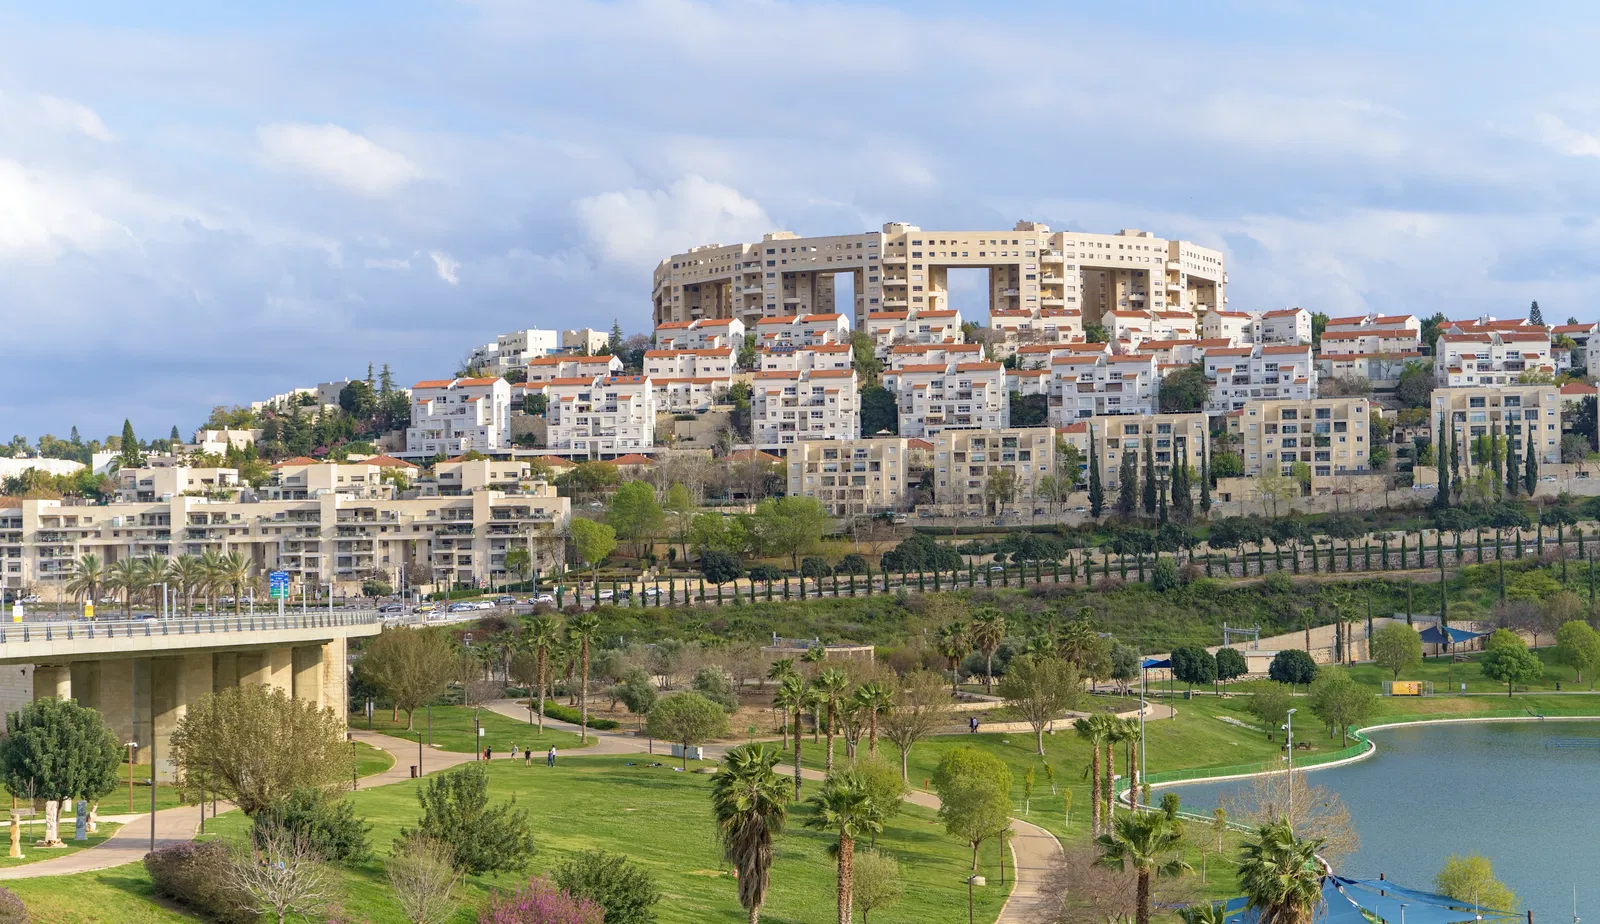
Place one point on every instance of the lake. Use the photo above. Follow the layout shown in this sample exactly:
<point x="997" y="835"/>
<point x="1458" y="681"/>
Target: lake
<point x="1499" y="789"/>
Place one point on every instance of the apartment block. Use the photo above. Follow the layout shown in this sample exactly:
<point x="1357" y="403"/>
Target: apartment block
<point x="965" y="461"/>
<point x="600" y="417"/>
<point x="1181" y="352"/>
<point x="1255" y="373"/>
<point x="304" y="478"/>
<point x="924" y="354"/>
<point x="791" y="407"/>
<point x="904" y="268"/>
<point x="1098" y="385"/>
<point x="1041" y="355"/>
<point x="938" y="396"/>
<point x="549" y="368"/>
<point x="851" y="477"/>
<point x="1013" y="329"/>
<point x="1284" y="326"/>
<point x="805" y="359"/>
<point x="1133" y="328"/>
<point x="1381" y="369"/>
<point x="459" y="476"/>
<point x="702" y="334"/>
<point x="689" y="380"/>
<point x="1586" y="338"/>
<point x="335" y="537"/>
<point x="585" y="340"/>
<point x="1174" y="438"/>
<point x="453" y="416"/>
<point x="150" y="484"/>
<point x="513" y="350"/>
<point x="1372" y="333"/>
<point x="1526" y="415"/>
<point x="802" y="331"/>
<point x="1328" y="434"/>
<point x="1482" y="355"/>
<point x="1236" y="327"/>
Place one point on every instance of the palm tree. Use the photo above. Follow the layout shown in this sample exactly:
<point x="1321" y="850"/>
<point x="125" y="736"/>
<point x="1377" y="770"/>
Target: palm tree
<point x="234" y="571"/>
<point x="1143" y="842"/>
<point x="154" y="570"/>
<point x="814" y="655"/>
<point x="988" y="631"/>
<point x="1116" y="733"/>
<point x="791" y="697"/>
<point x="1093" y="730"/>
<point x="953" y="645"/>
<point x="1131" y="733"/>
<point x="845" y="806"/>
<point x="751" y="804"/>
<point x="831" y="687"/>
<point x="88" y="576"/>
<point x="781" y="668"/>
<point x="814" y="705"/>
<point x="211" y="564"/>
<point x="188" y="575"/>
<point x="873" y="699"/>
<point x="542" y="637"/>
<point x="1281" y="875"/>
<point x="126" y="576"/>
<point x="582" y="628"/>
<point x="1078" y="639"/>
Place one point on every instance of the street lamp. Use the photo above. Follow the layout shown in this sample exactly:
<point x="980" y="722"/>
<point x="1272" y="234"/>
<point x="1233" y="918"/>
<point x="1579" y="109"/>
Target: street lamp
<point x="1289" y="727"/>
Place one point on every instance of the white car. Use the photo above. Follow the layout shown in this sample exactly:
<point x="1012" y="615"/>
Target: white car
<point x="604" y="595"/>
<point x="544" y="598"/>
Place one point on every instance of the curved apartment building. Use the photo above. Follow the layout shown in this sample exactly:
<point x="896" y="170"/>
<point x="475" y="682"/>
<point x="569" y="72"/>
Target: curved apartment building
<point x="904" y="268"/>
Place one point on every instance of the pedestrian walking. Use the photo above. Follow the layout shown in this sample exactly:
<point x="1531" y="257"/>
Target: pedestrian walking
<point x="513" y="751"/>
<point x="550" y="758"/>
<point x="972" y="725"/>
<point x="527" y="757"/>
<point x="488" y="753"/>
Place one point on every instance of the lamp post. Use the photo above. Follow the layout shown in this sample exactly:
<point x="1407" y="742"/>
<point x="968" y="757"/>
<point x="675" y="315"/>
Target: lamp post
<point x="1289" y="727"/>
<point x="131" y="746"/>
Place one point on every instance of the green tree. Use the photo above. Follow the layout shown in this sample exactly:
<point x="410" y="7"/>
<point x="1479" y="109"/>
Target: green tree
<point x="987" y="632"/>
<point x="634" y="514"/>
<point x="719" y="567"/>
<point x="1145" y="843"/>
<point x="832" y="687"/>
<point x="877" y="882"/>
<point x="1192" y="664"/>
<point x="255" y="744"/>
<point x="920" y="709"/>
<point x="1340" y="702"/>
<point x="1149" y="496"/>
<point x="751" y="804"/>
<point x="129" y="455"/>
<point x="1184" y="391"/>
<point x="1507" y="660"/>
<point x="582" y="629"/>
<point x="1471" y="878"/>
<point x="1040" y="690"/>
<point x="791" y="698"/>
<point x="1230" y="664"/>
<point x="87" y="578"/>
<point x="1270" y="706"/>
<point x="680" y="512"/>
<point x="626" y="890"/>
<point x="519" y="561"/>
<point x="1281" y="875"/>
<point x="325" y="822"/>
<point x="879" y="411"/>
<point x="541" y="638"/>
<point x="1396" y="647"/>
<point x="58" y="750"/>
<point x="974" y="789"/>
<point x="1128" y="484"/>
<point x="845" y="807"/>
<point x="1292" y="666"/>
<point x="789" y="526"/>
<point x="593" y="541"/>
<point x="1578" y="644"/>
<point x="481" y="838"/>
<point x="1097" y="491"/>
<point x="952" y="644"/>
<point x="1000" y="488"/>
<point x="412" y="667"/>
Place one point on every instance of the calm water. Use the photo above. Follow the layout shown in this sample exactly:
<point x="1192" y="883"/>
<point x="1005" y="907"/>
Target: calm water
<point x="1494" y="788"/>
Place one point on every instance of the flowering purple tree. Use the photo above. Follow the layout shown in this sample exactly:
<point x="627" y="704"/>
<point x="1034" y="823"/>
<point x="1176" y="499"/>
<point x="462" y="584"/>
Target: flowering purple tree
<point x="540" y="902"/>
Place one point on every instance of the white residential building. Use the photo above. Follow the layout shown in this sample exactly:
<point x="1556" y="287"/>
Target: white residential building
<point x="805" y="359"/>
<point x="1259" y="372"/>
<point x="802" y="330"/>
<point x="1372" y="333"/>
<point x="924" y="354"/>
<point x="513" y="350"/>
<point x="700" y="334"/>
<point x="1041" y="355"/>
<point x="944" y="396"/>
<point x="1014" y="329"/>
<point x="1284" y="326"/>
<point x="1234" y="326"/>
<point x="1096" y="385"/>
<point x="453" y="416"/>
<point x="585" y="340"/>
<point x="1490" y="355"/>
<point x="548" y="368"/>
<point x="790" y="407"/>
<point x="1587" y="339"/>
<point x="600" y="416"/>
<point x="689" y="380"/>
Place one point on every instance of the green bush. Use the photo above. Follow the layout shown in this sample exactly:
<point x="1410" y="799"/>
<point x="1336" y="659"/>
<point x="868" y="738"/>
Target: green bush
<point x="555" y="710"/>
<point x="328" y="824"/>
<point x="196" y="875"/>
<point x="481" y="839"/>
<point x="625" y="890"/>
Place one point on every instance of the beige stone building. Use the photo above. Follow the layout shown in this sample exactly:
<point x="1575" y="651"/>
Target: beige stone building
<point x="964" y="460"/>
<point x="851" y="477"/>
<point x="1173" y="438"/>
<point x="904" y="268"/>
<point x="1328" y="434"/>
<point x="1524" y="414"/>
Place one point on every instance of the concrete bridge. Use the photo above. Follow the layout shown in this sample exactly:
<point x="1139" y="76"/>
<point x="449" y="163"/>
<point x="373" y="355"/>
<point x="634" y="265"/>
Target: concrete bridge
<point x="143" y="674"/>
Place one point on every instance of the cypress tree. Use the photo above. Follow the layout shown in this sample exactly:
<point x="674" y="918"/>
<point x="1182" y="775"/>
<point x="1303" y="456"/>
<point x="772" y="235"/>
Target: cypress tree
<point x="1182" y="500"/>
<point x="1530" y="475"/>
<point x="1442" y="463"/>
<point x="1512" y="464"/>
<point x="1161" y="503"/>
<point x="1097" y="491"/>
<point x="1496" y="454"/>
<point x="1205" y="477"/>
<point x="1455" y="465"/>
<point x="131" y="457"/>
<point x="1149" y="477"/>
<point x="1128" y="483"/>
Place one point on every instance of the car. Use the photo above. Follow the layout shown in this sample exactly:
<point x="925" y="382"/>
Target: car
<point x="1079" y="509"/>
<point x="604" y="595"/>
<point x="392" y="608"/>
<point x="997" y="567"/>
<point x="505" y="600"/>
<point x="462" y="607"/>
<point x="545" y="598"/>
<point x="30" y="598"/>
<point x="426" y="608"/>
<point x="651" y="592"/>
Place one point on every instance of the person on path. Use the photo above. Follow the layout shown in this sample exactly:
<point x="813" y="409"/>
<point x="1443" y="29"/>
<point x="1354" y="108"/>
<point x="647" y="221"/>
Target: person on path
<point x="972" y="725"/>
<point x="488" y="753"/>
<point x="550" y="758"/>
<point x="527" y="757"/>
<point x="513" y="752"/>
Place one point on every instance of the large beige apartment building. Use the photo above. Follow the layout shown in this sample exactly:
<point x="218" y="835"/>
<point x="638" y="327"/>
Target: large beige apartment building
<point x="1327" y="434"/>
<point x="851" y="477"/>
<point x="341" y="535"/>
<point x="1527" y="415"/>
<point x="904" y="268"/>
<point x="1173" y="438"/>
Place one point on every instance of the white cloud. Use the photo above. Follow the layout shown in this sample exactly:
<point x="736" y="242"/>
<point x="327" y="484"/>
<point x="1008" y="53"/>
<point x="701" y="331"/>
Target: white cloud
<point x="1566" y="139"/>
<point x="339" y="156"/>
<point x="446" y="266"/>
<point x="69" y="114"/>
<point x="639" y="227"/>
<point x="41" y="217"/>
<point x="395" y="263"/>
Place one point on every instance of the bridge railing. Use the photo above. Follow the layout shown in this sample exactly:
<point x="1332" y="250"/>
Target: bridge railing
<point x="195" y="625"/>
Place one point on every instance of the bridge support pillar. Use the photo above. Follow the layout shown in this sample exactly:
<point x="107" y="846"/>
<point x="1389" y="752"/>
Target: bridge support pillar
<point x="251" y="667"/>
<point x="308" y="674"/>
<point x="52" y="680"/>
<point x="167" y="703"/>
<point x="280" y="669"/>
<point x="86" y="683"/>
<point x="116" y="698"/>
<point x="224" y="671"/>
<point x="335" y="675"/>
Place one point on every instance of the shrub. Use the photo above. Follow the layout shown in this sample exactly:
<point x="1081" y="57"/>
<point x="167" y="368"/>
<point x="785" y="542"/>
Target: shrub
<point x="1279" y="582"/>
<point x="329" y="825"/>
<point x="625" y="890"/>
<point x="1165" y="576"/>
<point x="539" y="902"/>
<point x="199" y="876"/>
<point x="12" y="910"/>
<point x="713" y="684"/>
<point x="565" y="713"/>
<point x="813" y="566"/>
<point x="481" y="839"/>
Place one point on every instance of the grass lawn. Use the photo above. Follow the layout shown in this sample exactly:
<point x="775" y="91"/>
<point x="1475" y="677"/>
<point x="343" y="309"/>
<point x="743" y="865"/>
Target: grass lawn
<point x="661" y="819"/>
<point x="31" y="854"/>
<point x="452" y="730"/>
<point x="370" y="760"/>
<point x="1444" y="672"/>
<point x="122" y="894"/>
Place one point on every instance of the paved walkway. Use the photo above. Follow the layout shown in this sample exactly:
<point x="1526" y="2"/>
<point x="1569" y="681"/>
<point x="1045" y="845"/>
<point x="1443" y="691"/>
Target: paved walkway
<point x="1033" y="849"/>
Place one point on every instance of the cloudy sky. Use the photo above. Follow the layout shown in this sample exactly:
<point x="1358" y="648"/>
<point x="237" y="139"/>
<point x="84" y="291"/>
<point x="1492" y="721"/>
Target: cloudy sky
<point x="201" y="205"/>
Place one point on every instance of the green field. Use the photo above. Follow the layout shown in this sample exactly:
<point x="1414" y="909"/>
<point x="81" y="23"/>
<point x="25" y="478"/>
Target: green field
<point x="31" y="833"/>
<point x="122" y="895"/>
<point x="452" y="728"/>
<point x="1447" y="675"/>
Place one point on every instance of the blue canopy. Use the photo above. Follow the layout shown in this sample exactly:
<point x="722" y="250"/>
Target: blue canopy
<point x="1449" y="636"/>
<point x="1152" y="662"/>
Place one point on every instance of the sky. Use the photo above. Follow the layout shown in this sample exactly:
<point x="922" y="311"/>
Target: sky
<point x="206" y="204"/>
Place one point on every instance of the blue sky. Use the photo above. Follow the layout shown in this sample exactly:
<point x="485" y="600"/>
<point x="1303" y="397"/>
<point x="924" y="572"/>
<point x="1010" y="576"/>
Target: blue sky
<point x="207" y="203"/>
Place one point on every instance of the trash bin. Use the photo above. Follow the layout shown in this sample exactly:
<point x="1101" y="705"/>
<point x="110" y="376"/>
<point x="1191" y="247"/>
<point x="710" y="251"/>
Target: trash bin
<point x="1188" y="694"/>
<point x="413" y="771"/>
